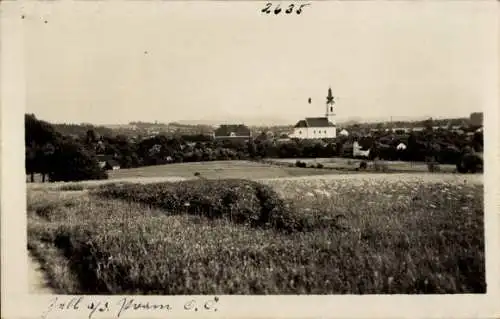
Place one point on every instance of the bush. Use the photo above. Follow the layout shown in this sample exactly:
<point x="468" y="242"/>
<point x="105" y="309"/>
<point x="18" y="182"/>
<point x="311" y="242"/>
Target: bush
<point x="470" y="163"/>
<point x="71" y="162"/>
<point x="363" y="165"/>
<point x="319" y="165"/>
<point x="241" y="201"/>
<point x="433" y="167"/>
<point x="72" y="187"/>
<point x="300" y="164"/>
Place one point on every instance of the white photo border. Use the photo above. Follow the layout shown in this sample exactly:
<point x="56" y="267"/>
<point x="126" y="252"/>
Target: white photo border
<point x="17" y="303"/>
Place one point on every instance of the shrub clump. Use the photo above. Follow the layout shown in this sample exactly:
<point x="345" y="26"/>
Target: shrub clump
<point x="363" y="165"/>
<point x="239" y="200"/>
<point x="433" y="167"/>
<point x="470" y="163"/>
<point x="300" y="164"/>
<point x="72" y="187"/>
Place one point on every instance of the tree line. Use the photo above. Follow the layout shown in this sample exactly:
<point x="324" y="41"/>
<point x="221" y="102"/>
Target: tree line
<point x="59" y="157"/>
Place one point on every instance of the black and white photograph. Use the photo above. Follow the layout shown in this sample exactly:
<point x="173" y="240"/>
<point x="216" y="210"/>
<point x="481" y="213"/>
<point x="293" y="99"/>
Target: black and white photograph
<point x="256" y="148"/>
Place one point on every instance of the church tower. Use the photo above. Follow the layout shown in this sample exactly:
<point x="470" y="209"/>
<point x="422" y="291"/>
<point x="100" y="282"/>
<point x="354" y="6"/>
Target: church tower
<point x="330" y="102"/>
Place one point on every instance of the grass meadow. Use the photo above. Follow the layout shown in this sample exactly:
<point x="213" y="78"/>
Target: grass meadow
<point x="216" y="169"/>
<point x="210" y="170"/>
<point x="330" y="234"/>
<point x="349" y="164"/>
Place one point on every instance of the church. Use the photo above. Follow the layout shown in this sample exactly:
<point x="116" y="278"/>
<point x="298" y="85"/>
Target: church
<point x="317" y="127"/>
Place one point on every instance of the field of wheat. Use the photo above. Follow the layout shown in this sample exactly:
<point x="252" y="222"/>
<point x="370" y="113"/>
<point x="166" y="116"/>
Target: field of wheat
<point x="338" y="234"/>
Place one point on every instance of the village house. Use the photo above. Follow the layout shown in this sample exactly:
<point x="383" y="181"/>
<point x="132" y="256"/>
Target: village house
<point x="112" y="165"/>
<point x="232" y="132"/>
<point x="357" y="150"/>
<point x="401" y="147"/>
<point x="317" y="127"/>
<point x="101" y="159"/>
<point x="107" y="162"/>
<point x="344" y="132"/>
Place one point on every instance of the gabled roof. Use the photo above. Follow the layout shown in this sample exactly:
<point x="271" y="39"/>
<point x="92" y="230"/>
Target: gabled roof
<point x="314" y="122"/>
<point x="237" y="129"/>
<point x="301" y="123"/>
<point x="318" y="122"/>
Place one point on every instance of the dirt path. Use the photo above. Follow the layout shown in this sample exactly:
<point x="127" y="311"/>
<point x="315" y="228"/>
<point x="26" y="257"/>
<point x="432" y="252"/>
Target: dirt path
<point x="37" y="282"/>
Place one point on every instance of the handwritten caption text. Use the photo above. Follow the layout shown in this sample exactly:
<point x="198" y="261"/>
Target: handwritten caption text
<point x="93" y="306"/>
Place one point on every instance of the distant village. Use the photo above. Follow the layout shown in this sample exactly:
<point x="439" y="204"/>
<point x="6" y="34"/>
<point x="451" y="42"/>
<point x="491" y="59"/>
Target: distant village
<point x="142" y="144"/>
<point x="284" y="132"/>
<point x="323" y="127"/>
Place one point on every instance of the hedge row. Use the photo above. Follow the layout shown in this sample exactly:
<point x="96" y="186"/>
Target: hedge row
<point x="242" y="201"/>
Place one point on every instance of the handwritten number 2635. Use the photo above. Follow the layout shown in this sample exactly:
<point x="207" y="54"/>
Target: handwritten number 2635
<point x="277" y="9"/>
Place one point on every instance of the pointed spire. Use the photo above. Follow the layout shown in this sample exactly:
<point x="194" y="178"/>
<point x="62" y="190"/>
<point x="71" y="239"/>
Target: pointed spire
<point x="329" y="98"/>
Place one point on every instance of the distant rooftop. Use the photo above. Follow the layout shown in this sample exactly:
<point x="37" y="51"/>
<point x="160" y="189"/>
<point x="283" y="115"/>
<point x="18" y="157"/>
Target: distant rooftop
<point x="226" y="130"/>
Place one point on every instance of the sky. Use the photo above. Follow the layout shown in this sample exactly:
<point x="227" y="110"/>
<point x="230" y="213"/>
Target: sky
<point x="116" y="62"/>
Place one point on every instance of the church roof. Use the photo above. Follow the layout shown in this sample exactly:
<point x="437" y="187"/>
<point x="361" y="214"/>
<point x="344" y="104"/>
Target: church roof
<point x="301" y="123"/>
<point x="314" y="122"/>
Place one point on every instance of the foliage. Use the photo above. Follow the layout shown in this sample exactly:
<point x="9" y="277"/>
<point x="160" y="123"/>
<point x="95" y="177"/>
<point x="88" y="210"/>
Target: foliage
<point x="71" y="162"/>
<point x="433" y="167"/>
<point x="241" y="201"/>
<point x="470" y="163"/>
<point x="300" y="164"/>
<point x="58" y="157"/>
<point x="363" y="165"/>
<point x="72" y="187"/>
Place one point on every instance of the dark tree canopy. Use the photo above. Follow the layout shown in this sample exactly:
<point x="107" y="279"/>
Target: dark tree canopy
<point x="60" y="158"/>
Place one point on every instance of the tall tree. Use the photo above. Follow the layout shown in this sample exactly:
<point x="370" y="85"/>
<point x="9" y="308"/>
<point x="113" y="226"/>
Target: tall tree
<point x="428" y="124"/>
<point x="72" y="162"/>
<point x="91" y="137"/>
<point x="40" y="138"/>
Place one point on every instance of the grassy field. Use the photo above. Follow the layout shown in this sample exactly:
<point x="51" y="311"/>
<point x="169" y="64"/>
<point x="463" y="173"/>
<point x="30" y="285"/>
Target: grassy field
<point x="213" y="169"/>
<point x="352" y="164"/>
<point x="365" y="234"/>
<point x="217" y="169"/>
<point x="246" y="169"/>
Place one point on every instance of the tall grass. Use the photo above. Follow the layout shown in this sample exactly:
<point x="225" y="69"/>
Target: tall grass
<point x="399" y="237"/>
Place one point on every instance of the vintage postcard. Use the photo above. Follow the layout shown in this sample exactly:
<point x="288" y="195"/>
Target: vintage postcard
<point x="249" y="159"/>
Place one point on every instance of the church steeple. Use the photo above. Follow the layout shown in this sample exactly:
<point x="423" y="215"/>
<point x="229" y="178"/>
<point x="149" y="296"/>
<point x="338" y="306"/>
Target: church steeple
<point x="329" y="98"/>
<point x="330" y="101"/>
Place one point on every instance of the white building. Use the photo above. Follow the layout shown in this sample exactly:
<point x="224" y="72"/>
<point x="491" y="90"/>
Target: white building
<point x="357" y="151"/>
<point x="317" y="127"/>
<point x="344" y="132"/>
<point x="401" y="147"/>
